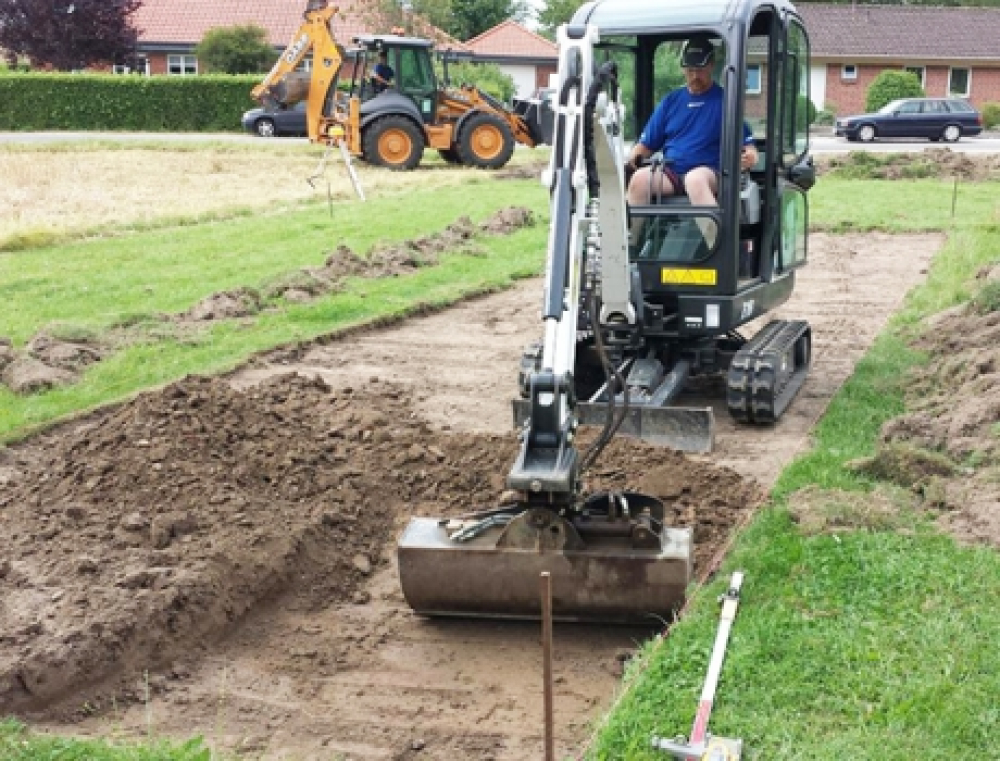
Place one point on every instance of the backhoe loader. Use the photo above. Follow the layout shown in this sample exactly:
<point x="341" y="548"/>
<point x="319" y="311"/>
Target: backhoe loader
<point x="631" y="321"/>
<point x="392" y="127"/>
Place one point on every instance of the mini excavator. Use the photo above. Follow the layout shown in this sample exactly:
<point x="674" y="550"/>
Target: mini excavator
<point x="640" y="302"/>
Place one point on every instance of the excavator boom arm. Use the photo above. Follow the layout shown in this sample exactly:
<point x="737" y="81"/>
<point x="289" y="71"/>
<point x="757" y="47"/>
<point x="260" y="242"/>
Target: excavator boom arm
<point x="314" y="35"/>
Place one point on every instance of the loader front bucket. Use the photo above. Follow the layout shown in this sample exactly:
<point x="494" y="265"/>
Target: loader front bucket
<point x="688" y="429"/>
<point x="605" y="581"/>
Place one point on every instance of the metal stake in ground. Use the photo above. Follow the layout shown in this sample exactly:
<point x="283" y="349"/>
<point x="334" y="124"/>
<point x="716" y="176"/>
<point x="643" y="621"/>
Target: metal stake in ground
<point x="701" y="746"/>
<point x="550" y="744"/>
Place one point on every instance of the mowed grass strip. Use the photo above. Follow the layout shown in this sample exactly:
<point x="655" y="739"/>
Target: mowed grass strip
<point x="872" y="642"/>
<point x="91" y="287"/>
<point x="18" y="744"/>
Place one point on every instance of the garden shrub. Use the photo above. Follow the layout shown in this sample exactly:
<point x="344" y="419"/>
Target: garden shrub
<point x="57" y="101"/>
<point x="891" y="85"/>
<point x="991" y="115"/>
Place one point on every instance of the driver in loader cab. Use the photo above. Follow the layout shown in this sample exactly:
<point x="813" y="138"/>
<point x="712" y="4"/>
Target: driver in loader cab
<point x="382" y="74"/>
<point x="687" y="127"/>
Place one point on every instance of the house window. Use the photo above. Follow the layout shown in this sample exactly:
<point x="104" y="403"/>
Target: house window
<point x="753" y="78"/>
<point x="919" y="72"/>
<point x="959" y="82"/>
<point x="139" y="65"/>
<point x="849" y="72"/>
<point x="182" y="65"/>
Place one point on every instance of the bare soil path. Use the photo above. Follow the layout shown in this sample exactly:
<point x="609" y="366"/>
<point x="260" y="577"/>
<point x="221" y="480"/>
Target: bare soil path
<point x="264" y="601"/>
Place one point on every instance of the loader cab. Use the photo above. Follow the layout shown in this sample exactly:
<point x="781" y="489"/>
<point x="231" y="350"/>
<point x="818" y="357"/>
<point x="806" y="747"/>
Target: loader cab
<point x="414" y="87"/>
<point x="708" y="269"/>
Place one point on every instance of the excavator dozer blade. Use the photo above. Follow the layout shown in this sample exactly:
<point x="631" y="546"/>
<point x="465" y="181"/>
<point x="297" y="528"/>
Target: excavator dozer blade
<point x="605" y="582"/>
<point x="688" y="429"/>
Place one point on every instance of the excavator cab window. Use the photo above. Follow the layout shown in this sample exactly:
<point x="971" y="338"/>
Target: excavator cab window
<point x="669" y="229"/>
<point x="416" y="80"/>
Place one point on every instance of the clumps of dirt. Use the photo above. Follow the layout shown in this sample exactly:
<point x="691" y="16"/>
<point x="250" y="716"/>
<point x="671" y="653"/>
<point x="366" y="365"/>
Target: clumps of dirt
<point x="932" y="162"/>
<point x="45" y="363"/>
<point x="225" y="305"/>
<point x="48" y="362"/>
<point x="946" y="447"/>
<point x="395" y="259"/>
<point x="825" y="511"/>
<point x="135" y="538"/>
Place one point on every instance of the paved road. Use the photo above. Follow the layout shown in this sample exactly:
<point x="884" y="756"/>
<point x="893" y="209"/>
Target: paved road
<point x="821" y="143"/>
<point x="828" y="144"/>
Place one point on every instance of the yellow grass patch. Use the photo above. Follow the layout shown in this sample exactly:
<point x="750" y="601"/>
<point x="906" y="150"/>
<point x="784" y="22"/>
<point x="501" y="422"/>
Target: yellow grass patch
<point x="51" y="192"/>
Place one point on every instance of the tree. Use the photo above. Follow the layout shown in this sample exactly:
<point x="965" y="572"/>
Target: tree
<point x="470" y="18"/>
<point x="69" y="34"/>
<point x="236" y="50"/>
<point x="554" y="13"/>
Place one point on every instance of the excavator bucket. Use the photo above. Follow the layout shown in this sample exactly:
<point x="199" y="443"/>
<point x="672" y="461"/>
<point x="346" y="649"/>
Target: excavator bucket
<point x="687" y="429"/>
<point x="610" y="571"/>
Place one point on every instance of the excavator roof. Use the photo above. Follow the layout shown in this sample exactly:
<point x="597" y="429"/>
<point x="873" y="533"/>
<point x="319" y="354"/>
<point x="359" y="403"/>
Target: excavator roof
<point x="379" y="41"/>
<point x="652" y="16"/>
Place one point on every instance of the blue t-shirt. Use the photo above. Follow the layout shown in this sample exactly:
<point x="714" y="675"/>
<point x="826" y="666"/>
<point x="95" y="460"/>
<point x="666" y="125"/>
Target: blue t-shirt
<point x="688" y="129"/>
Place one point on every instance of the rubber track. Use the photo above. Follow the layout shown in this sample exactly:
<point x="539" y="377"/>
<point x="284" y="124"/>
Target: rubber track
<point x="758" y="389"/>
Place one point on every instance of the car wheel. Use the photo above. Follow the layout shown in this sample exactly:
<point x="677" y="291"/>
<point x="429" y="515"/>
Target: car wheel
<point x="265" y="128"/>
<point x="951" y="133"/>
<point x="866" y="133"/>
<point x="394" y="142"/>
<point x="486" y="141"/>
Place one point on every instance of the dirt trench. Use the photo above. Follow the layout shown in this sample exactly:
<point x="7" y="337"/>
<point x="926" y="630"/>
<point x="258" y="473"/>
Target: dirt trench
<point x="215" y="558"/>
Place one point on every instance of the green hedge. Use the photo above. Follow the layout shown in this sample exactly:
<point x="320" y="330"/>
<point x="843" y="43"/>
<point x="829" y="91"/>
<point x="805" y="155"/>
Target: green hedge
<point x="44" y="101"/>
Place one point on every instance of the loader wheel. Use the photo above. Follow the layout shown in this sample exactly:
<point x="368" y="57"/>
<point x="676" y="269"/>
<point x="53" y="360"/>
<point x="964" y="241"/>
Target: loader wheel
<point x="486" y="141"/>
<point x="394" y="142"/>
<point x="450" y="155"/>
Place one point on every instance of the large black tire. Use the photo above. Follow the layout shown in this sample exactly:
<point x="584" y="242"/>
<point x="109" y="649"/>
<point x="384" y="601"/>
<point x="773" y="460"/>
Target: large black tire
<point x="394" y="142"/>
<point x="486" y="141"/>
<point x="450" y="156"/>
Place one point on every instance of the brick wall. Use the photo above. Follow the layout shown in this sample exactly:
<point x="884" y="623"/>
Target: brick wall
<point x="848" y="96"/>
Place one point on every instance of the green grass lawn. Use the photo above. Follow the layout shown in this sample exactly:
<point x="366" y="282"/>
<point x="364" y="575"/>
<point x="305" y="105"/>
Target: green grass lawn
<point x="875" y="643"/>
<point x="866" y="644"/>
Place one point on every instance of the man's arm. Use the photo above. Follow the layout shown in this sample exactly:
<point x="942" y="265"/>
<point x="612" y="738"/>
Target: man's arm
<point x="748" y="159"/>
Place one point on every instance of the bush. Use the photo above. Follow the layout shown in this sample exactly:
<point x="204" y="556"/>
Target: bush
<point x="991" y="115"/>
<point x="807" y="111"/>
<point x="486" y="76"/>
<point x="891" y="85"/>
<point x="236" y="50"/>
<point x="825" y="118"/>
<point x="54" y="101"/>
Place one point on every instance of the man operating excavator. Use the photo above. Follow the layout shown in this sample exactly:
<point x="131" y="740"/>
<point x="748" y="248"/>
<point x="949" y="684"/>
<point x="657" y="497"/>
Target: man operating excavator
<point x="687" y="127"/>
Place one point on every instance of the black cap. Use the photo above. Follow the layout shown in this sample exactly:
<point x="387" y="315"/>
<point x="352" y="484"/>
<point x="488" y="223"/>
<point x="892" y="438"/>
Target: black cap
<point x="698" y="52"/>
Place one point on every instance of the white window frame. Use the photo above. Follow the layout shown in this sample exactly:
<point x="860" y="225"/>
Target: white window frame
<point x="922" y="75"/>
<point x="968" y="82"/>
<point x="182" y="60"/>
<point x="760" y="79"/>
<point x="849" y="72"/>
<point x="142" y="68"/>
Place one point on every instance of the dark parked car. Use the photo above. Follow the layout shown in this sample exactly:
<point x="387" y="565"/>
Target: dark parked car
<point x="934" y="119"/>
<point x="288" y="121"/>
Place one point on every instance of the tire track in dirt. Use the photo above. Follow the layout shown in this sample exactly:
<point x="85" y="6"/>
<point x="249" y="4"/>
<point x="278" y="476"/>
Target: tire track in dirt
<point x="366" y="679"/>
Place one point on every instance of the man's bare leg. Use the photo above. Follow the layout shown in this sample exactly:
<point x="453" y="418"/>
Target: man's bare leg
<point x="701" y="185"/>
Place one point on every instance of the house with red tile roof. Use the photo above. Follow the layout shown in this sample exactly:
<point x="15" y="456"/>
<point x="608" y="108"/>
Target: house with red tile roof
<point x="527" y="57"/>
<point x="954" y="51"/>
<point x="169" y="30"/>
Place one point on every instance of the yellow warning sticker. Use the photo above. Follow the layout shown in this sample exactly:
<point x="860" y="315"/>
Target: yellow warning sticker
<point x="672" y="276"/>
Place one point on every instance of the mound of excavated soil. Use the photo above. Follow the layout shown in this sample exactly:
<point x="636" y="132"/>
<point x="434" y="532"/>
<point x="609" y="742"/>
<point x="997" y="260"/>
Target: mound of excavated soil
<point x="947" y="445"/>
<point x="143" y="534"/>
